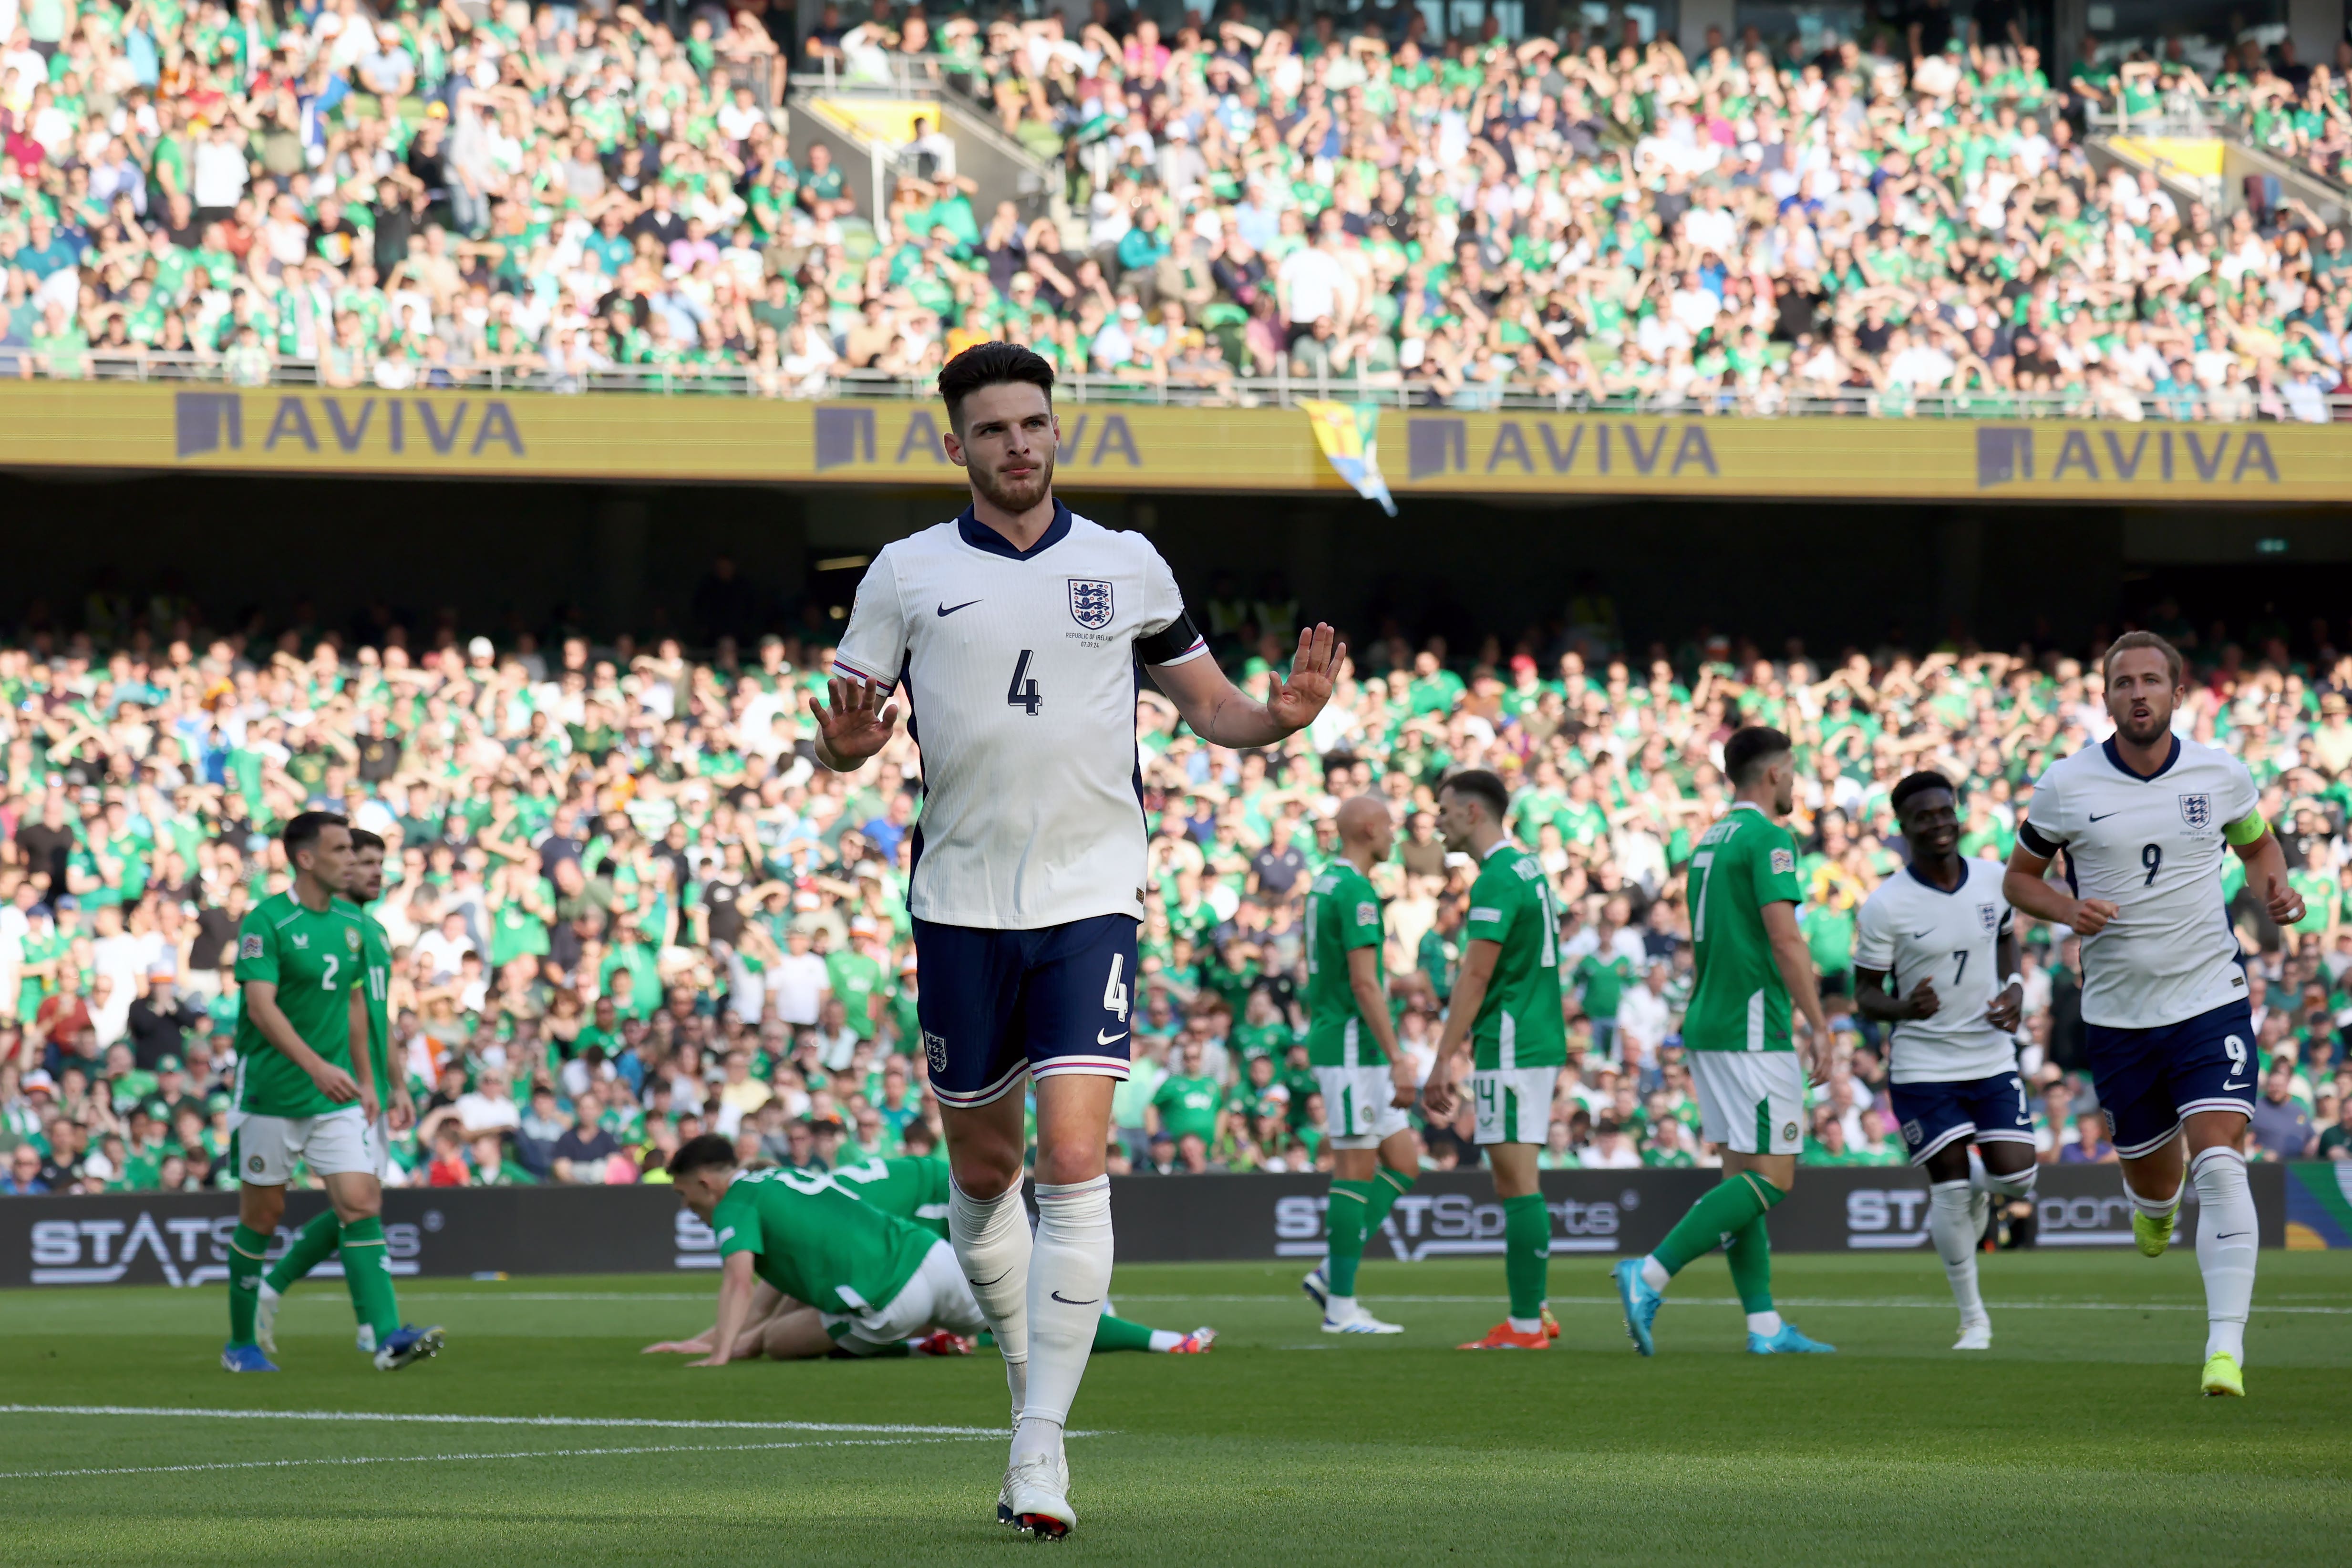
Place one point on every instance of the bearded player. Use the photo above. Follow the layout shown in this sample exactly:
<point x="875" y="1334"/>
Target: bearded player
<point x="2144" y="818"/>
<point x="1014" y="631"/>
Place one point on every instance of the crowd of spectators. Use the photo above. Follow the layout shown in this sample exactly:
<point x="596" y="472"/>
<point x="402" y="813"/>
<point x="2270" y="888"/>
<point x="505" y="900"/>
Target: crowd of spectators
<point x="421" y="198"/>
<point x="625" y="906"/>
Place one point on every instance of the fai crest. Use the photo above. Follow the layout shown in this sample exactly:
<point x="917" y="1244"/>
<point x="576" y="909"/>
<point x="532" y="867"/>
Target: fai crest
<point x="2197" y="810"/>
<point x="1090" y="602"/>
<point x="1991" y="915"/>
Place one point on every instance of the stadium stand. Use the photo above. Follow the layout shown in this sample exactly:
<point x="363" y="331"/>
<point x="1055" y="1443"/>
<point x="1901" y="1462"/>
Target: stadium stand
<point x="624" y="907"/>
<point x="1899" y="223"/>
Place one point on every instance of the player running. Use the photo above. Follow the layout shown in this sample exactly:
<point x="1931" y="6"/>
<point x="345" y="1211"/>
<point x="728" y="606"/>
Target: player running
<point x="2142" y="818"/>
<point x="1505" y="1010"/>
<point x="912" y="1187"/>
<point x="1942" y="928"/>
<point x="1016" y="629"/>
<point x="1750" y="1074"/>
<point x="305" y="1095"/>
<point x="875" y="1279"/>
<point x="316" y="1242"/>
<point x="1351" y="1045"/>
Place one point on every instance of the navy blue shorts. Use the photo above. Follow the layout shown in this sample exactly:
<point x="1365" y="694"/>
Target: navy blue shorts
<point x="2150" y="1080"/>
<point x="1978" y="1110"/>
<point x="1053" y="1000"/>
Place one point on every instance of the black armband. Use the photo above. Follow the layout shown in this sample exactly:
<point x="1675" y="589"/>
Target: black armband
<point x="1172" y="642"/>
<point x="2030" y="837"/>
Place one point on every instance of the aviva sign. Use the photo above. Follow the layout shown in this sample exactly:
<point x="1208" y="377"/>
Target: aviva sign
<point x="1428" y="453"/>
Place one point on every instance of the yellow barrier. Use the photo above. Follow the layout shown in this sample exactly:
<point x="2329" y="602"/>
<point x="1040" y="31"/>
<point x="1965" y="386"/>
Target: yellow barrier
<point x="619" y="437"/>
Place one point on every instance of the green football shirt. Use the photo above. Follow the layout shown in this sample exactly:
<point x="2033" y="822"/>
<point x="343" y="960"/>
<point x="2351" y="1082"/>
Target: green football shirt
<point x="312" y="958"/>
<point x="817" y="1242"/>
<point x="376" y="955"/>
<point x="1343" y="914"/>
<point x="1521" y="1023"/>
<point x="1189" y="1105"/>
<point x="912" y="1187"/>
<point x="1740" y="1002"/>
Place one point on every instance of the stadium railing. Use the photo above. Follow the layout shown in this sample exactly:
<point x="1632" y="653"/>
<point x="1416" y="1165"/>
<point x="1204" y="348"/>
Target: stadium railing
<point x="2243" y="403"/>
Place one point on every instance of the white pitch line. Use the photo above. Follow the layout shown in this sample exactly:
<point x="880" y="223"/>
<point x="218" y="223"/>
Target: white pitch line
<point x="443" y="1459"/>
<point x="1787" y="1301"/>
<point x="409" y="1417"/>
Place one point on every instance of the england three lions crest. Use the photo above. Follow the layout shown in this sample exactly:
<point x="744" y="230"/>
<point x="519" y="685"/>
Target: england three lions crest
<point x="1090" y="601"/>
<point x="2197" y="811"/>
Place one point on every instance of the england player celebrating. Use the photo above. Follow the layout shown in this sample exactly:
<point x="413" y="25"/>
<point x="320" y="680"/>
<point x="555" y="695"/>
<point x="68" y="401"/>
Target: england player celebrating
<point x="1016" y="629"/>
<point x="1942" y="929"/>
<point x="2142" y="819"/>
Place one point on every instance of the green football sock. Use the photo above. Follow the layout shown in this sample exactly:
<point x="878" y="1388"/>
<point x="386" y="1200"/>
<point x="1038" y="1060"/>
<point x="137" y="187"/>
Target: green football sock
<point x="314" y="1245"/>
<point x="1723" y="1212"/>
<point x="1119" y="1334"/>
<point x="1387" y="1187"/>
<point x="246" y="1247"/>
<point x="1750" y="1253"/>
<point x="1527" y="1254"/>
<point x="1346" y="1219"/>
<point x="368" y="1272"/>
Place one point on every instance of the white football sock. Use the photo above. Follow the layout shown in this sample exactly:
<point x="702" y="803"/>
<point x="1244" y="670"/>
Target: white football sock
<point x="2155" y="1208"/>
<point x="1765" y="1323"/>
<point x="2226" y="1240"/>
<point x="1165" y="1340"/>
<point x="2017" y="1185"/>
<point x="1654" y="1275"/>
<point x="1950" y="1224"/>
<point x="991" y="1243"/>
<point x="1979" y="1179"/>
<point x="1069" y="1275"/>
<point x="1338" y="1309"/>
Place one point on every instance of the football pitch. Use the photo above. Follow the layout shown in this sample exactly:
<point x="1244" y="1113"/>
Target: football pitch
<point x="541" y="1435"/>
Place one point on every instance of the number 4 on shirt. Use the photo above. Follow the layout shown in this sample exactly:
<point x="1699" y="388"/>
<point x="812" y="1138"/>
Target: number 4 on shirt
<point x="1023" y="691"/>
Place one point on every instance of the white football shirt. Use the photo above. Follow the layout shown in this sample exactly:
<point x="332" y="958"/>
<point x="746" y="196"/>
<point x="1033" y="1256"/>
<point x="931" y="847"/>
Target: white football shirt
<point x="1918" y="931"/>
<point x="1019" y="675"/>
<point x="2153" y="848"/>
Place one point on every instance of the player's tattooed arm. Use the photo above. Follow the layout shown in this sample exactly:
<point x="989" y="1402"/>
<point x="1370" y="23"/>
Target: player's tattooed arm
<point x="1795" y="961"/>
<point x="1222" y="715"/>
<point x="363" y="1059"/>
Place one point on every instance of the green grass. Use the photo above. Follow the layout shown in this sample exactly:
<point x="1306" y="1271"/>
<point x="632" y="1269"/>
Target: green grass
<point x="2079" y="1437"/>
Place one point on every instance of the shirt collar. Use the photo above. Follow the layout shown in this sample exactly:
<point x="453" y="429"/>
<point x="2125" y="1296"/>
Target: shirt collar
<point x="1495" y="849"/>
<point x="2116" y="757"/>
<point x="979" y="536"/>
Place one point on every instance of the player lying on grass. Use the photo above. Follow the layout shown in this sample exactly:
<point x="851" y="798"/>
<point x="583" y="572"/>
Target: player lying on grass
<point x="875" y="1280"/>
<point x="912" y="1187"/>
<point x="1942" y="929"/>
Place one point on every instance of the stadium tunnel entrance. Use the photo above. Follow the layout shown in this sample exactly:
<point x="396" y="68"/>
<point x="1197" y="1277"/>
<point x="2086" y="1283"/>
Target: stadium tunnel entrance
<point x="501" y="558"/>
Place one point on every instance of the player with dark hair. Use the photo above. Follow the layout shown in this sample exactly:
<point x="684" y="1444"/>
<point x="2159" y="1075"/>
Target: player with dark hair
<point x="1748" y="1066"/>
<point x="316" y="1241"/>
<point x="305" y="1094"/>
<point x="1014" y="630"/>
<point x="875" y="1279"/>
<point x="2144" y="819"/>
<point x="1505" y="1013"/>
<point x="1942" y="928"/>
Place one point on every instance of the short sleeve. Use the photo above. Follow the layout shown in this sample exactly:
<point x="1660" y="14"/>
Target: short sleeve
<point x="1165" y="634"/>
<point x="874" y="646"/>
<point x="1874" y="937"/>
<point x="257" y="949"/>
<point x="2043" y="831"/>
<point x="1773" y="870"/>
<point x="2240" y="798"/>
<point x="1493" y="905"/>
<point x="736" y="1227"/>
<point x="1360" y="922"/>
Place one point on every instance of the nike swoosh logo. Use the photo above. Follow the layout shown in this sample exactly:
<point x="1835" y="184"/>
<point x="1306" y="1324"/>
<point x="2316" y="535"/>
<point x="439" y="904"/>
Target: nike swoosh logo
<point x="1065" y="1301"/>
<point x="946" y="610"/>
<point x="984" y="1284"/>
<point x="2233" y="1234"/>
<point x="1917" y="935"/>
<point x="1103" y="1039"/>
<point x="2248" y="1084"/>
<point x="2101" y="817"/>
